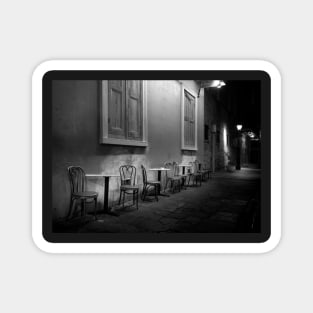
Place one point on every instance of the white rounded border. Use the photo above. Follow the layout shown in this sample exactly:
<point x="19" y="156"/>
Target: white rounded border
<point x="266" y="66"/>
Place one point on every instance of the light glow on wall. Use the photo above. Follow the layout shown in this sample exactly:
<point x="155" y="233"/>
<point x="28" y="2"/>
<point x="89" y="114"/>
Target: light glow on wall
<point x="225" y="146"/>
<point x="225" y="139"/>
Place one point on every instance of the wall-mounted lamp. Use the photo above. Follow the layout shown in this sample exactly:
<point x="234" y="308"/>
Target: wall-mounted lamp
<point x="220" y="84"/>
<point x="210" y="84"/>
<point x="239" y="127"/>
<point x="251" y="134"/>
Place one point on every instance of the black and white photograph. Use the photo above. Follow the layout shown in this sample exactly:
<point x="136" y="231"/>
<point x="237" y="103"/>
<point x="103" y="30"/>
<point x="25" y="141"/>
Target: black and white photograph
<point x="156" y="156"/>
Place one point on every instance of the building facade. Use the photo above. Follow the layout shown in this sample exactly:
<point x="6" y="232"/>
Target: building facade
<point x="101" y="125"/>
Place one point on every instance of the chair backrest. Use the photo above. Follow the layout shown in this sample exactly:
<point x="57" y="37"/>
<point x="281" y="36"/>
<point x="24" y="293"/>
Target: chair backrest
<point x="77" y="178"/>
<point x="197" y="165"/>
<point x="170" y="166"/>
<point x="192" y="168"/>
<point x="205" y="166"/>
<point x="144" y="175"/>
<point x="176" y="169"/>
<point x="128" y="175"/>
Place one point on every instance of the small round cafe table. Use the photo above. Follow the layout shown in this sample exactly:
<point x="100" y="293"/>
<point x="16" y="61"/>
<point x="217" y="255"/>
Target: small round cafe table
<point x="106" y="178"/>
<point x="160" y="170"/>
<point x="184" y="166"/>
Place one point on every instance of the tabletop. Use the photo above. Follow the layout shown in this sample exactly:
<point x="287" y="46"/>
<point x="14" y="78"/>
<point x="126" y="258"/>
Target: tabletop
<point x="102" y="175"/>
<point x="184" y="165"/>
<point x="159" y="169"/>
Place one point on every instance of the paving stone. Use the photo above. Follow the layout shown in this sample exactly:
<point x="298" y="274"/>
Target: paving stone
<point x="168" y="220"/>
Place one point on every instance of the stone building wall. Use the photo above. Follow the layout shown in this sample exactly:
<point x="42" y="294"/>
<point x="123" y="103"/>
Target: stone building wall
<point x="75" y="131"/>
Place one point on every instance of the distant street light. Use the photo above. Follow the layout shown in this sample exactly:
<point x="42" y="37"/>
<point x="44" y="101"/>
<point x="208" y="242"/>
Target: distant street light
<point x="238" y="165"/>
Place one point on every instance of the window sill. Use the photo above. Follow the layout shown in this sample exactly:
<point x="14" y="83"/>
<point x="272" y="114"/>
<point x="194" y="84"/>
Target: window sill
<point x="123" y="142"/>
<point x="189" y="148"/>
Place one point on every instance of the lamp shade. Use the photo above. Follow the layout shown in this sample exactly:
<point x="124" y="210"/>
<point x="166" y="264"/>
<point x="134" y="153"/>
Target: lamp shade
<point x="239" y="127"/>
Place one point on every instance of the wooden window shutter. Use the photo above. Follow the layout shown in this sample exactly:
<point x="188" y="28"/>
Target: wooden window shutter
<point x="189" y="119"/>
<point x="186" y="120"/>
<point x="116" y="109"/>
<point x="134" y="109"/>
<point x="192" y="121"/>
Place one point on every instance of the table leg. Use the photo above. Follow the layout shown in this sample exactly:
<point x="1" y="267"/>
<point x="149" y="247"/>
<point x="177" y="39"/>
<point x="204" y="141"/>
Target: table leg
<point x="106" y="208"/>
<point x="159" y="176"/>
<point x="184" y="182"/>
<point x="159" y="179"/>
<point x="106" y="194"/>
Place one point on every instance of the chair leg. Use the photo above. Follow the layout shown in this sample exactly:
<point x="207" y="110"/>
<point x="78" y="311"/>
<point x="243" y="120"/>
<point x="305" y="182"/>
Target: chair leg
<point x="156" y="187"/>
<point x="72" y="206"/>
<point x="143" y="194"/>
<point x="95" y="212"/>
<point x="83" y="209"/>
<point x="165" y="184"/>
<point x="137" y="198"/>
<point x="119" y="201"/>
<point x="123" y="199"/>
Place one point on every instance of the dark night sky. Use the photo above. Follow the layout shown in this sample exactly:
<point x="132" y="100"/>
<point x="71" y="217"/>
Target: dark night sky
<point x="246" y="96"/>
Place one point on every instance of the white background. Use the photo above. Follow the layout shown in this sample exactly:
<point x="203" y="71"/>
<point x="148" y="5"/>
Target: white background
<point x="35" y="31"/>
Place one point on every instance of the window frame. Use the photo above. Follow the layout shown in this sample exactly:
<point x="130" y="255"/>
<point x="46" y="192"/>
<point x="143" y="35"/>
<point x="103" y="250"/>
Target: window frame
<point x="104" y="116"/>
<point x="183" y="145"/>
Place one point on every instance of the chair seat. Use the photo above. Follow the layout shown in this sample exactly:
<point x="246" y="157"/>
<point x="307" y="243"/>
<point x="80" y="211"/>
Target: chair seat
<point x="85" y="194"/>
<point x="129" y="187"/>
<point x="153" y="183"/>
<point x="174" y="178"/>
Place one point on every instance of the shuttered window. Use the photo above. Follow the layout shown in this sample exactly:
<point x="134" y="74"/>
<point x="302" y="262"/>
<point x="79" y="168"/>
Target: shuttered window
<point x="123" y="112"/>
<point x="134" y="109"/>
<point x="125" y="109"/>
<point x="189" y="121"/>
<point x="117" y="110"/>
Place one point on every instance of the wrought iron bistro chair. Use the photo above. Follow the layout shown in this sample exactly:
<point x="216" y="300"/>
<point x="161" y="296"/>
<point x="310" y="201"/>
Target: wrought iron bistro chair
<point x="149" y="185"/>
<point x="194" y="175"/>
<point x="128" y="183"/>
<point x="206" y="167"/>
<point x="200" y="169"/>
<point x="78" y="193"/>
<point x="184" y="176"/>
<point x="172" y="176"/>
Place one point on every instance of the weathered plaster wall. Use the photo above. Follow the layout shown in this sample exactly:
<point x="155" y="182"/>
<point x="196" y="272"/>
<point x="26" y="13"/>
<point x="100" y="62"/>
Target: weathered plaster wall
<point x="76" y="123"/>
<point x="220" y="142"/>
